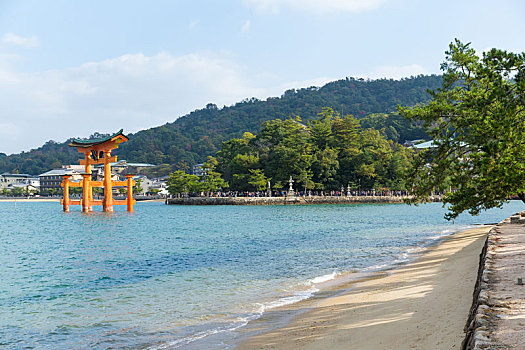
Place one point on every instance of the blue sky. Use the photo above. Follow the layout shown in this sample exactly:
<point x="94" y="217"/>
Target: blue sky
<point x="134" y="65"/>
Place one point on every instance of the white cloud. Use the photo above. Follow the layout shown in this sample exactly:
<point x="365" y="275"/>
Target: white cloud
<point x="193" y="25"/>
<point x="131" y="91"/>
<point x="17" y="40"/>
<point x="396" y="72"/>
<point x="246" y="26"/>
<point x="8" y="130"/>
<point x="315" y="6"/>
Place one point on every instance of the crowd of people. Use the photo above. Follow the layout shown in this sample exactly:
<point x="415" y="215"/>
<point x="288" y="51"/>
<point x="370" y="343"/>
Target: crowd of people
<point x="353" y="193"/>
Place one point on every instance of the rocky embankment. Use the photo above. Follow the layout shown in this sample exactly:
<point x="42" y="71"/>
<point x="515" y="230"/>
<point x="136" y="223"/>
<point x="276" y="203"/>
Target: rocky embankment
<point x="286" y="200"/>
<point x="497" y="316"/>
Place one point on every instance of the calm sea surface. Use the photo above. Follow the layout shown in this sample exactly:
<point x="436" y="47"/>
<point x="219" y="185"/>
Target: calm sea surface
<point x="170" y="276"/>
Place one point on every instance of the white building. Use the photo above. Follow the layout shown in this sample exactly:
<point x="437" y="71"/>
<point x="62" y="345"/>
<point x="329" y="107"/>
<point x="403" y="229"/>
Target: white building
<point x="145" y="183"/>
<point x="123" y="166"/>
<point x="7" y="179"/>
<point x="196" y="169"/>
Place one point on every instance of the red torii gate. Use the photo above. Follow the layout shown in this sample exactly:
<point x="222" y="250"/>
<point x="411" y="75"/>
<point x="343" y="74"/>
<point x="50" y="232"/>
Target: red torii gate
<point x="98" y="151"/>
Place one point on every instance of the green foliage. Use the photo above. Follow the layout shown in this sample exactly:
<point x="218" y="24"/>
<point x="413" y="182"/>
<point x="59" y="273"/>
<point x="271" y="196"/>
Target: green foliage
<point x="326" y="153"/>
<point x="284" y="148"/>
<point x="325" y="167"/>
<point x="138" y="187"/>
<point x="75" y="190"/>
<point x="477" y="122"/>
<point x="394" y="126"/>
<point x="179" y="183"/>
<point x="258" y="180"/>
<point x="16" y="192"/>
<point x="211" y="180"/>
<point x="237" y="157"/>
<point x="191" y="138"/>
<point x="98" y="191"/>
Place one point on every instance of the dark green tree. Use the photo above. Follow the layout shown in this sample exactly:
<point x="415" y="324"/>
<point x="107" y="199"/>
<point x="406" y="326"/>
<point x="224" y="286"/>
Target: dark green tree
<point x="258" y="180"/>
<point x="325" y="162"/>
<point x="180" y="183"/>
<point x="285" y="148"/>
<point x="137" y="189"/>
<point x="326" y="154"/>
<point x="236" y="156"/>
<point x="212" y="180"/>
<point x="477" y="123"/>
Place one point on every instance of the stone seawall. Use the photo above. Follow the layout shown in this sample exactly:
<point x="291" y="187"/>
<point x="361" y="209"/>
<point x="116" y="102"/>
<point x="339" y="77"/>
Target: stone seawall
<point x="498" y="309"/>
<point x="285" y="200"/>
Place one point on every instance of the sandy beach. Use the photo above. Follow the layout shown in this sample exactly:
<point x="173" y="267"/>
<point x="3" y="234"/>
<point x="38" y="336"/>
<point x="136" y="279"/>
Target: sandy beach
<point x="31" y="200"/>
<point x="421" y="305"/>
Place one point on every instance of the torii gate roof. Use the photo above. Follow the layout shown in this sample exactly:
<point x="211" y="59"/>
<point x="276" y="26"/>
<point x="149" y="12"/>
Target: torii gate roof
<point x="93" y="142"/>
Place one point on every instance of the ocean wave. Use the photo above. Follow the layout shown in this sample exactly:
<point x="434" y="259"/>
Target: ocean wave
<point x="227" y="327"/>
<point x="287" y="300"/>
<point x="324" y="278"/>
<point x="258" y="310"/>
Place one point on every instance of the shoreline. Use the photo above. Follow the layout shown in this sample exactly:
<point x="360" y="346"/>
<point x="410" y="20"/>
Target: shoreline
<point x="296" y="200"/>
<point x="57" y="200"/>
<point x="383" y="309"/>
<point x="34" y="200"/>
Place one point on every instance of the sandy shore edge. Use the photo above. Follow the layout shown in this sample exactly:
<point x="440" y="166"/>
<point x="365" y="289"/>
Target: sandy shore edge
<point x="421" y="305"/>
<point x="57" y="200"/>
<point x="30" y="200"/>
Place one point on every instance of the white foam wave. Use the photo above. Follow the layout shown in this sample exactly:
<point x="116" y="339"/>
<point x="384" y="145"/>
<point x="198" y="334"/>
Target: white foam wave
<point x="242" y="321"/>
<point x="175" y="344"/>
<point x="324" y="278"/>
<point x="291" y="299"/>
<point x="377" y="267"/>
<point x="448" y="232"/>
<point x="412" y="252"/>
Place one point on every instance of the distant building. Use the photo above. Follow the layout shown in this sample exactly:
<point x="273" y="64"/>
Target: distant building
<point x="197" y="169"/>
<point x="53" y="178"/>
<point x="160" y="184"/>
<point x="425" y="145"/>
<point x="77" y="167"/>
<point x="123" y="166"/>
<point x="145" y="183"/>
<point x="432" y="144"/>
<point x="35" y="182"/>
<point x="98" y="175"/>
<point x="7" y="179"/>
<point x="411" y="143"/>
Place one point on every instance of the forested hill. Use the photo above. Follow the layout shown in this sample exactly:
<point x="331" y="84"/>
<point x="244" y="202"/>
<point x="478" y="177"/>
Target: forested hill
<point x="193" y="137"/>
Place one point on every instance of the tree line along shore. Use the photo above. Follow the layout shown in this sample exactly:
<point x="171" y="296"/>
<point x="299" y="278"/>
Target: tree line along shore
<point x="329" y="154"/>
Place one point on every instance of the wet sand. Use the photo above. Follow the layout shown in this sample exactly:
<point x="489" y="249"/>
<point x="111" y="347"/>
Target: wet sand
<point x="420" y="305"/>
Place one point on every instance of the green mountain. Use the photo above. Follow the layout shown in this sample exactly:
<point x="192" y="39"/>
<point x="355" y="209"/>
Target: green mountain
<point x="193" y="137"/>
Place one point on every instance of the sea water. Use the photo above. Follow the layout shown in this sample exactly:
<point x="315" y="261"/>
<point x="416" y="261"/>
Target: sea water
<point x="168" y="277"/>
